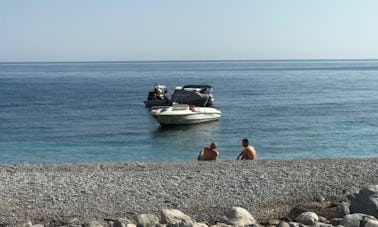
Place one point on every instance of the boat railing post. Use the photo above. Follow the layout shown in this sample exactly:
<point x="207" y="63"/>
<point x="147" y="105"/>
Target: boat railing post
<point x="208" y="96"/>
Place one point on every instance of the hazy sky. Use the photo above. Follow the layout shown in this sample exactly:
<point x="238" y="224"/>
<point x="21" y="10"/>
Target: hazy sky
<point x="112" y="30"/>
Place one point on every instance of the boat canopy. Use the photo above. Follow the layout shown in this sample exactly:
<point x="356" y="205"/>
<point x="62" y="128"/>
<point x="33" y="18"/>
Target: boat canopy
<point x="196" y="86"/>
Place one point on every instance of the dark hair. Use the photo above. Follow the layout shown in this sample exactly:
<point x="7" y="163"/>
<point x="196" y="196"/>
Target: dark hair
<point x="245" y="140"/>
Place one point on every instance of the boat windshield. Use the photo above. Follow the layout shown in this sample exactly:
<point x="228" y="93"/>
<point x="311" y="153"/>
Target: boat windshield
<point x="197" y="86"/>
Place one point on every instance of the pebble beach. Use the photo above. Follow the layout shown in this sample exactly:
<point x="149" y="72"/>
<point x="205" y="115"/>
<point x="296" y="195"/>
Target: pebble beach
<point x="52" y="194"/>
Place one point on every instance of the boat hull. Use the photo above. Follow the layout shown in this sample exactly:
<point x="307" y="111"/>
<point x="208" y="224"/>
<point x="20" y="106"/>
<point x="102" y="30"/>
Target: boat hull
<point x="169" y="116"/>
<point x="186" y="119"/>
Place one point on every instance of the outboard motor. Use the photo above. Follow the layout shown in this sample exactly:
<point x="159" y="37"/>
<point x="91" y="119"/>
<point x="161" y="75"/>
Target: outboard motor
<point x="161" y="92"/>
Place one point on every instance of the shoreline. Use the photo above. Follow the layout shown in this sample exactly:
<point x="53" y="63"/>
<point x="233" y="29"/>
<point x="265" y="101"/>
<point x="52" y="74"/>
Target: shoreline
<point x="203" y="190"/>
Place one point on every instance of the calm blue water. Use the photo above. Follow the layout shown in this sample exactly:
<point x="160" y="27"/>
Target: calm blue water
<point x="94" y="112"/>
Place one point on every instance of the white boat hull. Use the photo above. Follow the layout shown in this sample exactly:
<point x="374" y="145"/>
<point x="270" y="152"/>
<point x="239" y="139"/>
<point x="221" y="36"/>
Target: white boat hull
<point x="182" y="115"/>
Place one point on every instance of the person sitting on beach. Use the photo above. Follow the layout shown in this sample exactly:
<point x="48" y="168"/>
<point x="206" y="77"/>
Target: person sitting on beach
<point x="249" y="152"/>
<point x="209" y="153"/>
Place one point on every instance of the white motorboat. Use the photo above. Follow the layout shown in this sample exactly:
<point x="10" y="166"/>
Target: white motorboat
<point x="181" y="114"/>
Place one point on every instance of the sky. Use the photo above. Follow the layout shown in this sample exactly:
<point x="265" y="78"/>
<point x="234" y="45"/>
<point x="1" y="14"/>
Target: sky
<point x="164" y="30"/>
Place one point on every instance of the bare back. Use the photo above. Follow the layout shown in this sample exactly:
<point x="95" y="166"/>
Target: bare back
<point x="249" y="153"/>
<point x="208" y="154"/>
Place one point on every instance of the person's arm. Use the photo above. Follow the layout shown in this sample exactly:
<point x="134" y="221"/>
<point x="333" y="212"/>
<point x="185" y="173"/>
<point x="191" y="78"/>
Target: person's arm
<point x="238" y="158"/>
<point x="200" y="155"/>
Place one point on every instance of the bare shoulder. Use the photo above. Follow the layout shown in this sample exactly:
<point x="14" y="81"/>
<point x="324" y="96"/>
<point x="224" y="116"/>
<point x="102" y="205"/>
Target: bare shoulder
<point x="251" y="148"/>
<point x="253" y="153"/>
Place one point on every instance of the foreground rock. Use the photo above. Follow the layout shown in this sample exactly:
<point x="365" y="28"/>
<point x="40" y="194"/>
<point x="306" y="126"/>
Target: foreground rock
<point x="148" y="220"/>
<point x="93" y="223"/>
<point x="371" y="223"/>
<point x="365" y="201"/>
<point x="174" y="217"/>
<point x="308" y="218"/>
<point x="235" y="216"/>
<point x="239" y="216"/>
<point x="356" y="220"/>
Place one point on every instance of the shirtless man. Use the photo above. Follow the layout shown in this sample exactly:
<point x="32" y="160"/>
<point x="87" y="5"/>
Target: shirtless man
<point x="249" y="152"/>
<point x="209" y="153"/>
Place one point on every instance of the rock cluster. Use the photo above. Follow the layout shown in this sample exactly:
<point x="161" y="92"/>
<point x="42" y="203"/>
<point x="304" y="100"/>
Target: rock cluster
<point x="363" y="207"/>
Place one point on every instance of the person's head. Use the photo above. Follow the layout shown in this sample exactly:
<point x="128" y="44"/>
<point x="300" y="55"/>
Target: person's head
<point x="213" y="146"/>
<point x="245" y="142"/>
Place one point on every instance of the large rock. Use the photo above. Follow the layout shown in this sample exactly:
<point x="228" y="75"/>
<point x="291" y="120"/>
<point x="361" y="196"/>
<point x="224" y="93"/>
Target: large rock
<point x="356" y="220"/>
<point x="174" y="217"/>
<point x="283" y="224"/>
<point x="239" y="216"/>
<point x="371" y="223"/>
<point x="365" y="201"/>
<point x="307" y="218"/>
<point x="147" y="220"/>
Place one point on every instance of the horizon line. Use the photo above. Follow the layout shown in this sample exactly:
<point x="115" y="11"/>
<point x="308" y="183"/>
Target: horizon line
<point x="210" y="60"/>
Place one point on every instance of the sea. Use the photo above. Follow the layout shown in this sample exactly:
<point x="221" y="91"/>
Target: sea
<point x="91" y="112"/>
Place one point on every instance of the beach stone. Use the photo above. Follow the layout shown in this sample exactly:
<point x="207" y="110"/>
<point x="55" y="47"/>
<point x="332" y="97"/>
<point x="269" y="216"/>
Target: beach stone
<point x="283" y="224"/>
<point x="73" y="222"/>
<point x="371" y="223"/>
<point x="294" y="224"/>
<point x="255" y="225"/>
<point x="239" y="216"/>
<point x="323" y="219"/>
<point x="336" y="221"/>
<point x="121" y="222"/>
<point x="325" y="209"/>
<point x="265" y="225"/>
<point x="321" y="224"/>
<point x="343" y="209"/>
<point x="354" y="220"/>
<point x="307" y="218"/>
<point x="93" y="223"/>
<point x="147" y="220"/>
<point x="195" y="224"/>
<point x="274" y="222"/>
<point x="27" y="224"/>
<point x="174" y="217"/>
<point x="365" y="201"/>
<point x="220" y="224"/>
<point x="117" y="223"/>
<point x="161" y="225"/>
